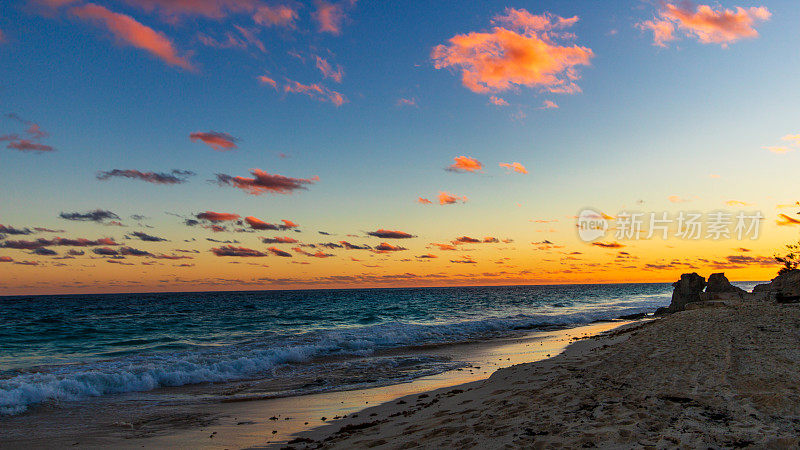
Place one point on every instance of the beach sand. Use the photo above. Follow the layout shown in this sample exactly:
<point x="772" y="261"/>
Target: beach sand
<point x="724" y="376"/>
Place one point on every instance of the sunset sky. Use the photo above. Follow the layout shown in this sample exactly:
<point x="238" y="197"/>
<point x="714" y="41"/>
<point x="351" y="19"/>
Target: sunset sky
<point x="177" y="145"/>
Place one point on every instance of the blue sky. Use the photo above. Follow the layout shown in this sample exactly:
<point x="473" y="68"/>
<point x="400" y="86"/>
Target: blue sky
<point x="649" y="122"/>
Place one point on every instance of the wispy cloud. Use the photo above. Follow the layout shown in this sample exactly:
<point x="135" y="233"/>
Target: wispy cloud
<point x="173" y="177"/>
<point x="128" y="31"/>
<point x="327" y="69"/>
<point x="315" y="91"/>
<point x="515" y="167"/>
<point x="230" y="250"/>
<point x="98" y="215"/>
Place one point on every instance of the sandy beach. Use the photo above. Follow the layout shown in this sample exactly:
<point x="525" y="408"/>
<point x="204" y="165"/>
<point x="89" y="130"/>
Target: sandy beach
<point x="723" y="376"/>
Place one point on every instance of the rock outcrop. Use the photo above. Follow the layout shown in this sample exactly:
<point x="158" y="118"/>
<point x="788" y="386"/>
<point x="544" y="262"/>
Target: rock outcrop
<point x="719" y="288"/>
<point x="785" y="288"/>
<point x="687" y="290"/>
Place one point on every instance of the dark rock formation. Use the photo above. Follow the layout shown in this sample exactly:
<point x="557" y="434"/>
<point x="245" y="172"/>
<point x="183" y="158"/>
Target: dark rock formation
<point x="687" y="290"/>
<point x="785" y="288"/>
<point x="720" y="288"/>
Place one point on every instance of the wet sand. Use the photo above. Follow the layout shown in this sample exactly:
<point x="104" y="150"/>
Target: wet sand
<point x="121" y="422"/>
<point x="719" y="377"/>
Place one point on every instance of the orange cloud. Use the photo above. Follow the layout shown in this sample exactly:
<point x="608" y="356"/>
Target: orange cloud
<point x="737" y="203"/>
<point x="444" y="246"/>
<point x="220" y="142"/>
<point x="515" y="166"/>
<point x="279" y="15"/>
<point x="263" y="182"/>
<point x="424" y="201"/>
<point x="329" y="17"/>
<point x="327" y="70"/>
<point x="315" y="91"/>
<point x="663" y="31"/>
<point x="126" y="29"/>
<point x="709" y="26"/>
<point x="497" y="101"/>
<point x="677" y="199"/>
<point x="212" y="216"/>
<point x="778" y="149"/>
<point x="318" y="254"/>
<point x="527" y="54"/>
<point x="258" y="224"/>
<point x="785" y="220"/>
<point x="278" y="252"/>
<point x="446" y="198"/>
<point x="465" y="164"/>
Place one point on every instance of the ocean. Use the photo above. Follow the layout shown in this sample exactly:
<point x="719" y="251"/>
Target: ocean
<point x="65" y="350"/>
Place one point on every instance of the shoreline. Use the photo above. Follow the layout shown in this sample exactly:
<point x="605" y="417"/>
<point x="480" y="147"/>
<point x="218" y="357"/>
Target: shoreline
<point x="723" y="374"/>
<point x="250" y="422"/>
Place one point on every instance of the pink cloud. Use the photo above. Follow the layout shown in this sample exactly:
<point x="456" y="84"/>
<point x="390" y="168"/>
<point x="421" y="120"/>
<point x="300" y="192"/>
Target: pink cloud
<point x="218" y="141"/>
<point x="407" y="102"/>
<point x="263" y="182"/>
<point x="267" y="80"/>
<point x="215" y="9"/>
<point x="548" y="104"/>
<point x="327" y="70"/>
<point x="525" y="55"/>
<point x="25" y="145"/>
<point x="279" y="15"/>
<point x="329" y="17"/>
<point x="127" y="30"/>
<point x="315" y="91"/>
